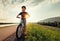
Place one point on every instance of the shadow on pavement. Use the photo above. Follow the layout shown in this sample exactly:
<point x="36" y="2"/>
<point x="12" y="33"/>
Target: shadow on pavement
<point x="13" y="38"/>
<point x="22" y="38"/>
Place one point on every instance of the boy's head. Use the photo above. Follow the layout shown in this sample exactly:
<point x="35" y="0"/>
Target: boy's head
<point x="23" y="8"/>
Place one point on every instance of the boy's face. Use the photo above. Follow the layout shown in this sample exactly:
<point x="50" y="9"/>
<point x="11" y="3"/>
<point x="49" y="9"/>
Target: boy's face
<point x="23" y="9"/>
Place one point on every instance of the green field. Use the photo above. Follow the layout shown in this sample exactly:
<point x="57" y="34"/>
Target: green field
<point x="36" y="32"/>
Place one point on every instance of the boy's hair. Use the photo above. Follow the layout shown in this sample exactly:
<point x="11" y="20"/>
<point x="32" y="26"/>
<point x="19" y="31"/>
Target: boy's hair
<point x="23" y="7"/>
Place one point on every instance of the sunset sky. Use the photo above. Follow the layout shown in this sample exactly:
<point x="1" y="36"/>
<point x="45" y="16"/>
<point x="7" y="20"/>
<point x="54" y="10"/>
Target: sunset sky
<point x="38" y="9"/>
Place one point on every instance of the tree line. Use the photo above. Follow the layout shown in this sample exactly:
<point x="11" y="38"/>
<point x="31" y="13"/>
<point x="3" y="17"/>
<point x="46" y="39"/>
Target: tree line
<point x="55" y="23"/>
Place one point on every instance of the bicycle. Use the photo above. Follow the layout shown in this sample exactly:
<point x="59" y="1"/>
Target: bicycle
<point x="20" y="27"/>
<point x="19" y="30"/>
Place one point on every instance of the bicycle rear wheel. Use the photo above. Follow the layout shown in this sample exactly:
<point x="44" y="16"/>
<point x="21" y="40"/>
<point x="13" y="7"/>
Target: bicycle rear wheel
<point x="19" y="31"/>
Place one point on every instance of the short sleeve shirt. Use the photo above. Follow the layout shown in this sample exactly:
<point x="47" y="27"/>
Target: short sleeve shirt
<point x="23" y="14"/>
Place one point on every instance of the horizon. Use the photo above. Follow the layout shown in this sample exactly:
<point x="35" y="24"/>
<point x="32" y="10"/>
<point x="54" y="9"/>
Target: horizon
<point x="38" y="10"/>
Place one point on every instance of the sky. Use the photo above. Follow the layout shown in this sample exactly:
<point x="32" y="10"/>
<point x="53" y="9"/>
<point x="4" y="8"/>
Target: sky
<point x="37" y="9"/>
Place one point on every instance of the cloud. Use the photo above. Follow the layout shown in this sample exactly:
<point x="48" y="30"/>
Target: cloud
<point x="12" y="2"/>
<point x="36" y="2"/>
<point x="28" y="2"/>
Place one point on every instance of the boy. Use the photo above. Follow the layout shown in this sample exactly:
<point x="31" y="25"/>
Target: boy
<point x="23" y="17"/>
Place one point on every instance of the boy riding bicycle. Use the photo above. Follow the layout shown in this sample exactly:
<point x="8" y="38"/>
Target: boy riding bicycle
<point x="24" y="15"/>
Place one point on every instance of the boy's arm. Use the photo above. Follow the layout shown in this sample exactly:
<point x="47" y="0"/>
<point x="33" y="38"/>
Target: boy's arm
<point x="17" y="16"/>
<point x="28" y="14"/>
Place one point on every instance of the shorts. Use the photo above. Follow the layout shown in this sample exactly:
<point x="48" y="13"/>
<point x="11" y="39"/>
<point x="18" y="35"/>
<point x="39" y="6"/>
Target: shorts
<point x="23" y="22"/>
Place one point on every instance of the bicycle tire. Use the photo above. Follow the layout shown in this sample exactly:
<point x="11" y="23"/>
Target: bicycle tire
<point x="17" y="31"/>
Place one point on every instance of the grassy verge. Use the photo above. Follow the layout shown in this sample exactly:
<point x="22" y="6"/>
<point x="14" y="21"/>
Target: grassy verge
<point x="37" y="32"/>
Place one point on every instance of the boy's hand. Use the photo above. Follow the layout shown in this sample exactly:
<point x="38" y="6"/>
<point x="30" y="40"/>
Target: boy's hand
<point x="17" y="17"/>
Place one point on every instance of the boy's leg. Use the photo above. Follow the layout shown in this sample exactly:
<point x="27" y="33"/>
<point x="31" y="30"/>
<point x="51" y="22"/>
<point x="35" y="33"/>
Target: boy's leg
<point x="24" y="29"/>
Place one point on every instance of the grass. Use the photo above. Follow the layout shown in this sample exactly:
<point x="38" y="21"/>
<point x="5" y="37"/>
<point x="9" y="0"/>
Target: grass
<point x="36" y="32"/>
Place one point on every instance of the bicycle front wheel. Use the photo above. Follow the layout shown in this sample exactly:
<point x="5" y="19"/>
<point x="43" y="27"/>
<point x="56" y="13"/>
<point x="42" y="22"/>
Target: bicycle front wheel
<point x="19" y="31"/>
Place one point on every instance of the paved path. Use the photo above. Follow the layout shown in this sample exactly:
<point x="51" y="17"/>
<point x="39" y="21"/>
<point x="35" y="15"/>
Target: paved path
<point x="5" y="32"/>
<point x="9" y="34"/>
